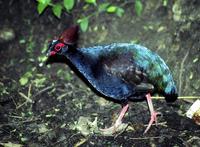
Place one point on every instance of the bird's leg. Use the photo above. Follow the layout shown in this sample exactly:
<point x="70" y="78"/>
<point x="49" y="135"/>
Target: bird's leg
<point x="118" y="121"/>
<point x="152" y="112"/>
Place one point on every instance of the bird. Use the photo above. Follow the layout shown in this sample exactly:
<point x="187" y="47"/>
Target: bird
<point x="122" y="72"/>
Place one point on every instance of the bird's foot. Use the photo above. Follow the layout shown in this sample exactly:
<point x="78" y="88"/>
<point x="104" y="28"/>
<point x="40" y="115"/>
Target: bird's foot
<point x="113" y="129"/>
<point x="153" y="119"/>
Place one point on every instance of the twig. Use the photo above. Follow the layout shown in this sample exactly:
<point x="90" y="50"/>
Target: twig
<point x="21" y="105"/>
<point x="62" y="95"/>
<point x="43" y="90"/>
<point x="60" y="141"/>
<point x="28" y="95"/>
<point x="160" y="124"/>
<point x="181" y="71"/>
<point x="144" y="138"/>
<point x="180" y="97"/>
<point x="28" y="99"/>
<point x="13" y="116"/>
<point x="29" y="91"/>
<point x="81" y="142"/>
<point x="25" y="121"/>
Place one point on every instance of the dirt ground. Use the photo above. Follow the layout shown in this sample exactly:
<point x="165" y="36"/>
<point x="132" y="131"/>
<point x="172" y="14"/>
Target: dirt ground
<point x="50" y="106"/>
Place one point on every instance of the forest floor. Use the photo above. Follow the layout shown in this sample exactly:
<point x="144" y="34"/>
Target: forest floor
<point x="50" y="106"/>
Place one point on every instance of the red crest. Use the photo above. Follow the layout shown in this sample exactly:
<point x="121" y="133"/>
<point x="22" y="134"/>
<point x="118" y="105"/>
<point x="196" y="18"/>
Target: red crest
<point x="70" y="35"/>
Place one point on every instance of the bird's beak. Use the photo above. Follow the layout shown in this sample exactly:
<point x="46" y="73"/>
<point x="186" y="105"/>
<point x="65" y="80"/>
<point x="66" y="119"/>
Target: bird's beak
<point x="51" y="53"/>
<point x="47" y="61"/>
<point x="48" y="54"/>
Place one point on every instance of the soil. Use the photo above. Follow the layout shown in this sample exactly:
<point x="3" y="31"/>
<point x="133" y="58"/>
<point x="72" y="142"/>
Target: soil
<point x="55" y="108"/>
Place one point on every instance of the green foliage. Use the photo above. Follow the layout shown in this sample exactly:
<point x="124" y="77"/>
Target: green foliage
<point x="84" y="23"/>
<point x="39" y="80"/>
<point x="36" y="79"/>
<point x="103" y="7"/>
<point x="91" y="1"/>
<point x="42" y="4"/>
<point x="120" y="12"/>
<point x="25" y="78"/>
<point x="138" y="7"/>
<point x="68" y="4"/>
<point x="64" y="75"/>
<point x="117" y="10"/>
<point x="57" y="9"/>
<point x="111" y="9"/>
<point x="165" y="2"/>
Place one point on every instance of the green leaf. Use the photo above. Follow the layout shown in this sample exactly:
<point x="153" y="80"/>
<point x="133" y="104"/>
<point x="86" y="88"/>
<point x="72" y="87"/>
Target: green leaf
<point x="25" y="78"/>
<point x="57" y="9"/>
<point x="41" y="7"/>
<point x="103" y="7"/>
<point x="39" y="81"/>
<point x="84" y="24"/>
<point x="165" y="2"/>
<point x="68" y="4"/>
<point x="112" y="9"/>
<point x="23" y="81"/>
<point x="120" y="12"/>
<point x="91" y="1"/>
<point x="42" y="4"/>
<point x="68" y="76"/>
<point x="44" y="1"/>
<point x="138" y="7"/>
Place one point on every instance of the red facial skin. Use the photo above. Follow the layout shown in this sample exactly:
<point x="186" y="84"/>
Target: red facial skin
<point x="52" y="53"/>
<point x="57" y="48"/>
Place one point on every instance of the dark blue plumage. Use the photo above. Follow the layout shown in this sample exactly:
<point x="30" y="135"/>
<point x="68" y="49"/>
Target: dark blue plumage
<point x="119" y="71"/>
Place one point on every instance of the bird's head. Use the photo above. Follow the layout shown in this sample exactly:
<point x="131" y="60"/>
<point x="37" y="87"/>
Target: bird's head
<point x="58" y="48"/>
<point x="170" y="92"/>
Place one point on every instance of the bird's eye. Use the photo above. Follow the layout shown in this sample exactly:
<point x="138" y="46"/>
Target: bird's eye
<point x="58" y="46"/>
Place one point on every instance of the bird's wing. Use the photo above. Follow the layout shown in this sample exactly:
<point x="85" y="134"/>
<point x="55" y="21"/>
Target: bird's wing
<point x="124" y="67"/>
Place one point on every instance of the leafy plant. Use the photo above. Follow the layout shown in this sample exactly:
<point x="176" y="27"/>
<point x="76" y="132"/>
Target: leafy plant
<point x="25" y="78"/>
<point x="103" y="7"/>
<point x="57" y="9"/>
<point x="42" y="4"/>
<point x="117" y="10"/>
<point x="91" y="1"/>
<point x="68" y="5"/>
<point x="138" y="7"/>
<point x="84" y="23"/>
<point x="32" y="76"/>
<point x="165" y="2"/>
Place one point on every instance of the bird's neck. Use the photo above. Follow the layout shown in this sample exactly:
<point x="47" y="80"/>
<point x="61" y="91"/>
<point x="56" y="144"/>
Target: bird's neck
<point x="82" y="62"/>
